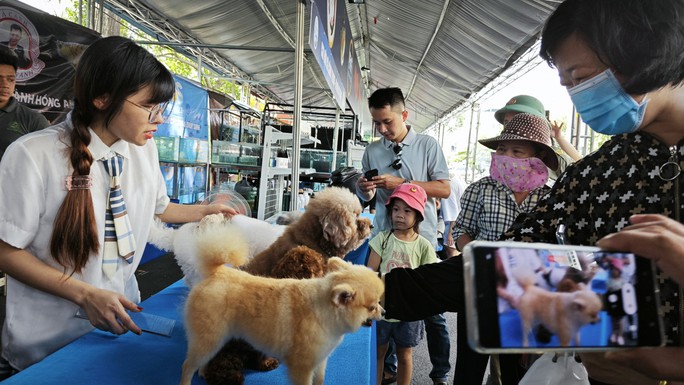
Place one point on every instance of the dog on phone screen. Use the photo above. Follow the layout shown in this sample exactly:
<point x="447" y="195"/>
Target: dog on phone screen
<point x="299" y="321"/>
<point x="561" y="313"/>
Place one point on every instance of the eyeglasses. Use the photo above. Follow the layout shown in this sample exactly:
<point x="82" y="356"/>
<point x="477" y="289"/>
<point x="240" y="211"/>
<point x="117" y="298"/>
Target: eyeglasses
<point x="397" y="163"/>
<point x="158" y="110"/>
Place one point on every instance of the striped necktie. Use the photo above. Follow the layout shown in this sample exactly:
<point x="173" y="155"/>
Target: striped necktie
<point x="119" y="239"/>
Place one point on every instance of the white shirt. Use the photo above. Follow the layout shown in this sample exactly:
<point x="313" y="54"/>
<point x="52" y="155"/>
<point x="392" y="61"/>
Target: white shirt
<point x="452" y="205"/>
<point x="32" y="188"/>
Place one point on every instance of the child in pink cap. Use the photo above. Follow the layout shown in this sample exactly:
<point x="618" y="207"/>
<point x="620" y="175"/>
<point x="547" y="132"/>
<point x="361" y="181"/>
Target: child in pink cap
<point x="402" y="246"/>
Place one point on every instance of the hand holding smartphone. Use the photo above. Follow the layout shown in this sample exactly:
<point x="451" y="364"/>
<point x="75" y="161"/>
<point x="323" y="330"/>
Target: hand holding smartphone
<point x="523" y="297"/>
<point x="146" y="322"/>
<point x="370" y="174"/>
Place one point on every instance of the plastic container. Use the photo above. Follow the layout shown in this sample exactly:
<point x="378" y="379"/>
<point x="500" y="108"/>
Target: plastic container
<point x="223" y="152"/>
<point x="193" y="151"/>
<point x="167" y="147"/>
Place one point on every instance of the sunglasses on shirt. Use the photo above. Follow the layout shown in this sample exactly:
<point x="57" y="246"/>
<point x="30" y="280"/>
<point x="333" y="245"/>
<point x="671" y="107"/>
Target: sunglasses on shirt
<point x="397" y="163"/>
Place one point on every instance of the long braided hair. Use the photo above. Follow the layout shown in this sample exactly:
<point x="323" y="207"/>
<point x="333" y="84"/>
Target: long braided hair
<point x="114" y="67"/>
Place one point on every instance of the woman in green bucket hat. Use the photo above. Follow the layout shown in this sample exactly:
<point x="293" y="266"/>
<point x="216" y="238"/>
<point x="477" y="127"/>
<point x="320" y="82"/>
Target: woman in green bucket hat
<point x="531" y="105"/>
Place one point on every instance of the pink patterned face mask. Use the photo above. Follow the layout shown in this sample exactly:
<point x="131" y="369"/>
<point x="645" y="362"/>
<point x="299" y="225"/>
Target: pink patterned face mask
<point x="519" y="174"/>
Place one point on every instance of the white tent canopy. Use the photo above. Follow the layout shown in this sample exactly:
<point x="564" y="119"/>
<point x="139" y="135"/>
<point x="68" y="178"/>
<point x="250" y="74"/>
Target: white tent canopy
<point x="439" y="52"/>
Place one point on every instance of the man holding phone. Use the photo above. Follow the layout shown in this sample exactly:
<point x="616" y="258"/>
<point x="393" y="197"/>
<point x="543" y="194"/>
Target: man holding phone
<point x="403" y="156"/>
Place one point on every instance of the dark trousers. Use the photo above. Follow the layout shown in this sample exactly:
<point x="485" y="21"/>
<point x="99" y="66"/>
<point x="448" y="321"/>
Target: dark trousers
<point x="470" y="365"/>
<point x="511" y="368"/>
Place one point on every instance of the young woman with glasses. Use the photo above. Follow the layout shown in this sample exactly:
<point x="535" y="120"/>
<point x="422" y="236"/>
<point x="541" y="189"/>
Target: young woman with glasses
<point x="54" y="197"/>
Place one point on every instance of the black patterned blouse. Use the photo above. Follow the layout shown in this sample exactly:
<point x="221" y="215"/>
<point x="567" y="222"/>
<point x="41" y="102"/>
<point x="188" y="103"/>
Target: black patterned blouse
<point x="630" y="174"/>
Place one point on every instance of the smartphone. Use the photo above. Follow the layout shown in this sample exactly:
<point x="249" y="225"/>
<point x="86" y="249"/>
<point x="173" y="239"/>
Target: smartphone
<point x="370" y="174"/>
<point x="153" y="323"/>
<point x="531" y="297"/>
<point x="146" y="322"/>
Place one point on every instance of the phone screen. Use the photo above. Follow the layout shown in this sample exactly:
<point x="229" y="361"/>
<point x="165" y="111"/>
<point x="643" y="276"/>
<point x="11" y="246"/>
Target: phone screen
<point x="370" y="174"/>
<point x="536" y="296"/>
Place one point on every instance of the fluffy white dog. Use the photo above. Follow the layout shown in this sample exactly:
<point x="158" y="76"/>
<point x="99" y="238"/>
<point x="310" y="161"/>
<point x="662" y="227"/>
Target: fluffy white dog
<point x="258" y="234"/>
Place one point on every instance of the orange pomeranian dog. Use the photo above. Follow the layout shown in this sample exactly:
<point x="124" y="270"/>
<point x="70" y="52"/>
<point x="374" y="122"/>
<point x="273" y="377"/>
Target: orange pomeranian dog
<point x="298" y="321"/>
<point x="561" y="313"/>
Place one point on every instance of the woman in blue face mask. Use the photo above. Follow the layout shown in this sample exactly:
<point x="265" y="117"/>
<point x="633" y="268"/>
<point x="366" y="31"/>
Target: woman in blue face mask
<point x="622" y="72"/>
<point x="623" y="63"/>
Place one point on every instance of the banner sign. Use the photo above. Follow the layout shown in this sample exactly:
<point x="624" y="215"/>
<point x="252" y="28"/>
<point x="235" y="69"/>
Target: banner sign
<point x="325" y="41"/>
<point x="48" y="48"/>
<point x="330" y="39"/>
<point x="355" y="89"/>
<point x="190" y="116"/>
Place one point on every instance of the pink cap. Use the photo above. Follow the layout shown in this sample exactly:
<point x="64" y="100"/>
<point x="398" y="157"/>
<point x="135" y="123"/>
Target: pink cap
<point x="616" y="263"/>
<point x="412" y="194"/>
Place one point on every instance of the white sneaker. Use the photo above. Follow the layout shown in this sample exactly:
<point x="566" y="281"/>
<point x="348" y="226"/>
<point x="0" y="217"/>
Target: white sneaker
<point x="613" y="338"/>
<point x="620" y="340"/>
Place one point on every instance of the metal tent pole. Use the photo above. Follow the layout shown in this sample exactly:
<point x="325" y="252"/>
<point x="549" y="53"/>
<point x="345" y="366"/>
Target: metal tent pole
<point x="336" y="132"/>
<point x="297" y="124"/>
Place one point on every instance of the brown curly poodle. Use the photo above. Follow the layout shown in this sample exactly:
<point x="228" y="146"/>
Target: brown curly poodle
<point x="330" y="226"/>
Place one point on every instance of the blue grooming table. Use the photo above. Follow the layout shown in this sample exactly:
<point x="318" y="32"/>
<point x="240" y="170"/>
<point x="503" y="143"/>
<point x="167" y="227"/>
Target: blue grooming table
<point x="105" y="359"/>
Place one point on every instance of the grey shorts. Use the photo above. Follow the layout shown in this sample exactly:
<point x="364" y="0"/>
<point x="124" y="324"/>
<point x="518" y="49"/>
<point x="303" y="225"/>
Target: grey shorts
<point x="404" y="334"/>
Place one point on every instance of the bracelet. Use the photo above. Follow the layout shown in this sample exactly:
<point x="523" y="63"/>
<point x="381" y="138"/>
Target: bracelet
<point x="406" y="181"/>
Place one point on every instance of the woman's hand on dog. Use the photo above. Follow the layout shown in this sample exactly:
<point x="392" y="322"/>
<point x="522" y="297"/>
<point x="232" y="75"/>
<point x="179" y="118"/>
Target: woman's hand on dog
<point x="227" y="211"/>
<point x="177" y="213"/>
<point x="106" y="310"/>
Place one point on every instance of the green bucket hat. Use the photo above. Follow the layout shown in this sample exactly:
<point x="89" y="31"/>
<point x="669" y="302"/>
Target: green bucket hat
<point x="521" y="103"/>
